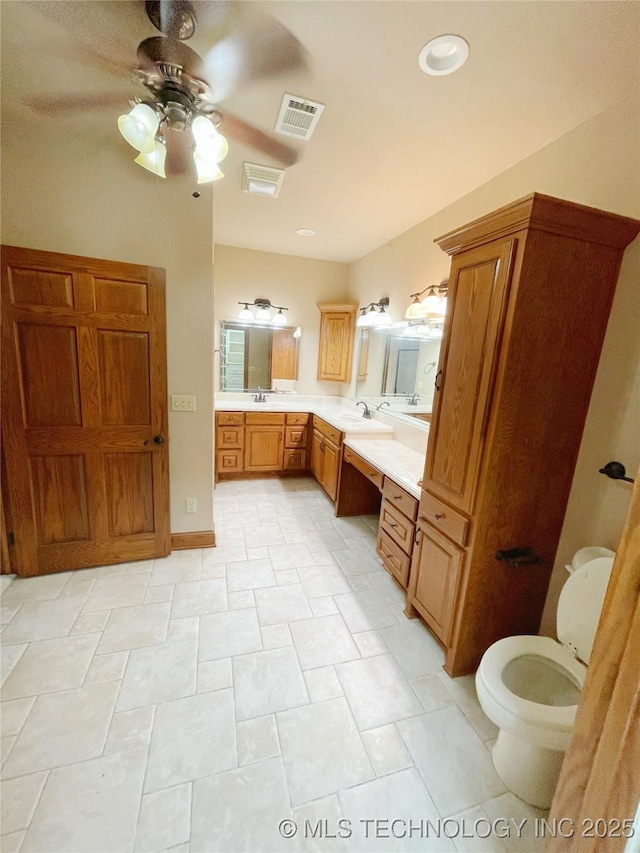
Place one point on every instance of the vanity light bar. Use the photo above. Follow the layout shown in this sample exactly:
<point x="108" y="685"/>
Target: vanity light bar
<point x="263" y="312"/>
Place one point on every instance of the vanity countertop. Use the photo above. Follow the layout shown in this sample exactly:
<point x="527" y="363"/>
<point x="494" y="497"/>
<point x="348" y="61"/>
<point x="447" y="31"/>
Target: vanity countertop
<point x="397" y="461"/>
<point x="347" y="419"/>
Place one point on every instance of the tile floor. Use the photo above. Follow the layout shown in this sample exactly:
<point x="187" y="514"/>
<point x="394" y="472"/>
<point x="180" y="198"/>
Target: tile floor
<point x="192" y="703"/>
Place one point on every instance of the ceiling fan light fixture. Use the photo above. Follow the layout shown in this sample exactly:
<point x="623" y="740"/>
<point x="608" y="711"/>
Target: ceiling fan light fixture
<point x="153" y="160"/>
<point x="139" y="127"/>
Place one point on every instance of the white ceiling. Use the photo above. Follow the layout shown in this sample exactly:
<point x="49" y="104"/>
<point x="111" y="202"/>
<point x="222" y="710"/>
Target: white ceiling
<point x="393" y="145"/>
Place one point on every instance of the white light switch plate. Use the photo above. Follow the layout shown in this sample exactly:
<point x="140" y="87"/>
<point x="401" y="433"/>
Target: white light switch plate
<point x="191" y="505"/>
<point x="183" y="403"/>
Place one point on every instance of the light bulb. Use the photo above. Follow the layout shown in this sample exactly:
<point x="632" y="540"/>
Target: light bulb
<point x="154" y="160"/>
<point x="263" y="314"/>
<point x="279" y="319"/>
<point x="246" y="313"/>
<point x="139" y="128"/>
<point x="382" y="318"/>
<point x="363" y="320"/>
<point x="431" y="303"/>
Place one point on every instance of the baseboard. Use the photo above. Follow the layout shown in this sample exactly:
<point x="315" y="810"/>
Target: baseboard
<point x="197" y="539"/>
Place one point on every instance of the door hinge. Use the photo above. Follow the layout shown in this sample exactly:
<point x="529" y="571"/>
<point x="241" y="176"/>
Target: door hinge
<point x="11" y="539"/>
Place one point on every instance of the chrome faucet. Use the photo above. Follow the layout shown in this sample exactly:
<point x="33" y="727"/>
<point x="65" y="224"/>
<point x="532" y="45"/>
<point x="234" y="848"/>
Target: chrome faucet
<point x="413" y="400"/>
<point x="384" y="403"/>
<point x="260" y="398"/>
<point x="365" y="412"/>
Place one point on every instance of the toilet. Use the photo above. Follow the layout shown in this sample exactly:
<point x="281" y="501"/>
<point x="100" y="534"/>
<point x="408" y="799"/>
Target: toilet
<point x="530" y="686"/>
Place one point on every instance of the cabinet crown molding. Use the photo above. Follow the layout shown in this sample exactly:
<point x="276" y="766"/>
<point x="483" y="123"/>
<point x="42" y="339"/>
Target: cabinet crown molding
<point x="544" y="213"/>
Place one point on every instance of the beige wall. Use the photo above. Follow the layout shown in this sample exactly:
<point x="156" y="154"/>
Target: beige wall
<point x="597" y="164"/>
<point x="297" y="283"/>
<point x="67" y="193"/>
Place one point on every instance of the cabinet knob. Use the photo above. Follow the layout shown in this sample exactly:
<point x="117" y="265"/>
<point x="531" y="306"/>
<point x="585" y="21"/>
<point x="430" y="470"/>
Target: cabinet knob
<point x="397" y="497"/>
<point x="392" y="524"/>
<point x="438" y="516"/>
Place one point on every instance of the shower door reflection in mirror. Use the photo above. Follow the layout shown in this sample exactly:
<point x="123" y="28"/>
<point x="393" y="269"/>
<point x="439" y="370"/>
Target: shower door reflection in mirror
<point x="256" y="356"/>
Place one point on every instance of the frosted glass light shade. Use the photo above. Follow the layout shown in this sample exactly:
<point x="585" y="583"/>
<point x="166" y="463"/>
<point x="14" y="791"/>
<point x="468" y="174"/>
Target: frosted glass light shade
<point x="263" y="314"/>
<point x="414" y="311"/>
<point x="206" y="169"/>
<point x="381" y="318"/>
<point x="139" y="128"/>
<point x="279" y="319"/>
<point x="246" y="314"/>
<point x="210" y="145"/>
<point x="153" y="160"/>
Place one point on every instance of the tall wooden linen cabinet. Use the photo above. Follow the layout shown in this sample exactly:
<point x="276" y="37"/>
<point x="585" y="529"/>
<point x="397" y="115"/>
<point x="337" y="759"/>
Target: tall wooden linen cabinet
<point x="530" y="291"/>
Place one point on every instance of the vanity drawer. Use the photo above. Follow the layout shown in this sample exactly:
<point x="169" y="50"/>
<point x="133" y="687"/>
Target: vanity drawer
<point x="265" y="418"/>
<point x="295" y="436"/>
<point x="230" y="436"/>
<point x="327" y="430"/>
<point x="297" y="418"/>
<point x="394" y="558"/>
<point x="395" y="525"/>
<point x="229" y="461"/>
<point x="225" y="418"/>
<point x="444" y="519"/>
<point x="294" y="460"/>
<point x="364" y="467"/>
<point x="402" y="500"/>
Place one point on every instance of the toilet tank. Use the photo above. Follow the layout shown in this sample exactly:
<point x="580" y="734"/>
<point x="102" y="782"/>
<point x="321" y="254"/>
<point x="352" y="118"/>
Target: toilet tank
<point x="580" y="605"/>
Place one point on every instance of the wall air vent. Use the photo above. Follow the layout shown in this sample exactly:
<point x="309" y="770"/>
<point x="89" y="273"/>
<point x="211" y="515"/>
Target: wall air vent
<point x="298" y="117"/>
<point x="261" y="180"/>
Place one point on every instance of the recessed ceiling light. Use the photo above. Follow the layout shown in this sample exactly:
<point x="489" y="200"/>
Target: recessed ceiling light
<point x="443" y="55"/>
<point x="305" y="232"/>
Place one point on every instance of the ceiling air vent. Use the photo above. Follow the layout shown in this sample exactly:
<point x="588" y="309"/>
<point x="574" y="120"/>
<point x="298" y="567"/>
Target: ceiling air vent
<point x="298" y="117"/>
<point x="261" y="180"/>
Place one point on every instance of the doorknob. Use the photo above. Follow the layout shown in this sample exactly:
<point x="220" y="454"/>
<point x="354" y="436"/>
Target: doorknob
<point x="437" y="380"/>
<point x="157" y="439"/>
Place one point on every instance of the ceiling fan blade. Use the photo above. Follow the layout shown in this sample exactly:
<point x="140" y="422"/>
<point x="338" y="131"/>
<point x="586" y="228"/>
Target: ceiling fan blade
<point x="89" y="58"/>
<point x="249" y="45"/>
<point x="179" y="159"/>
<point x="235" y="128"/>
<point x="58" y="106"/>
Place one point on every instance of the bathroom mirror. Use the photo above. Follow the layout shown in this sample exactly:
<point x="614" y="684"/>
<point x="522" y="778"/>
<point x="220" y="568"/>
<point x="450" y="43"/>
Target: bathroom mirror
<point x="397" y="362"/>
<point x="254" y="355"/>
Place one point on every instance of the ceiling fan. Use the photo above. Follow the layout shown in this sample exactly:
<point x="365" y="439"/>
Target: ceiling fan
<point x="175" y="125"/>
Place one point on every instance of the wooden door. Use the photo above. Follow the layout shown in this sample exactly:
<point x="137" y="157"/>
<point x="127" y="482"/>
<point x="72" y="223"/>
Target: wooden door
<point x="284" y="355"/>
<point x="479" y="282"/>
<point x="263" y="448"/>
<point x="330" y="468"/>
<point x="84" y="419"/>
<point x="434" y="579"/>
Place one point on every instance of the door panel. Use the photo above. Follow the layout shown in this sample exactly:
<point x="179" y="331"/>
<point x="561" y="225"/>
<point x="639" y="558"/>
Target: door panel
<point x="38" y="287"/>
<point x="480" y="279"/>
<point x="84" y="387"/>
<point x="263" y="448"/>
<point x="330" y="469"/>
<point x="60" y="494"/>
<point x="129" y="480"/>
<point x="48" y="358"/>
<point x="437" y="566"/>
<point x="124" y="377"/>
<point x="128" y="297"/>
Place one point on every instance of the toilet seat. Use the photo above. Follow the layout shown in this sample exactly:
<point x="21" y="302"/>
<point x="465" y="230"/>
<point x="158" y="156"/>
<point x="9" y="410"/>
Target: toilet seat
<point x="547" y="725"/>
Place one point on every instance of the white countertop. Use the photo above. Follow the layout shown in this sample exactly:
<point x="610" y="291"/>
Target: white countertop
<point x="347" y="418"/>
<point x="396" y="461"/>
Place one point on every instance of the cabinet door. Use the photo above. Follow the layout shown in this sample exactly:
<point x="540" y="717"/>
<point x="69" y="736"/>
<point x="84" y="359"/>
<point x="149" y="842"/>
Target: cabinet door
<point x="263" y="448"/>
<point x="436" y="563"/>
<point x="477" y="295"/>
<point x="336" y="342"/>
<point x="316" y="455"/>
<point x="330" y="468"/>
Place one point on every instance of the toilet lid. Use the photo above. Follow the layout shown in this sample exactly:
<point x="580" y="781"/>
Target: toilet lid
<point x="580" y="604"/>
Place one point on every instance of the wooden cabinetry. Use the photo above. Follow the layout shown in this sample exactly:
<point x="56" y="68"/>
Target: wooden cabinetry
<point x="254" y="443"/>
<point x="530" y="290"/>
<point x="396" y="530"/>
<point x="326" y="443"/>
<point x="335" y="351"/>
